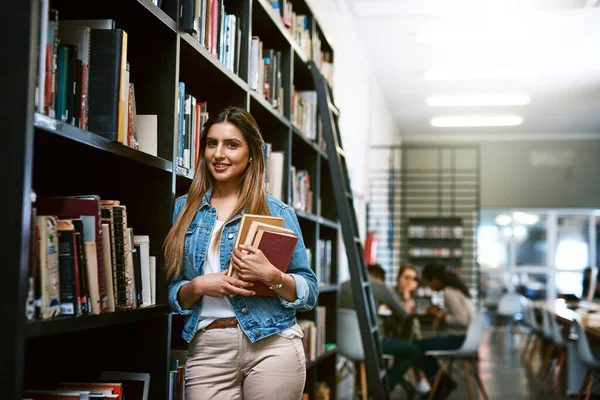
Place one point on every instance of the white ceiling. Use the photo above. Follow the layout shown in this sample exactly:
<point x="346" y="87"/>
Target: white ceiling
<point x="561" y="41"/>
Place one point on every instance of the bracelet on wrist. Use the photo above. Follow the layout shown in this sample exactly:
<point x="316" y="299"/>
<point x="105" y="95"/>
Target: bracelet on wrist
<point x="280" y="285"/>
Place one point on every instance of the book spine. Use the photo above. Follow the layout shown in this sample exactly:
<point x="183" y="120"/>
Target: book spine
<point x="104" y="82"/>
<point x="49" y="267"/>
<point x="67" y="258"/>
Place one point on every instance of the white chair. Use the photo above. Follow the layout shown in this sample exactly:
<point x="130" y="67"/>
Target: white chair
<point x="350" y="345"/>
<point x="535" y="334"/>
<point x="587" y="358"/>
<point x="510" y="308"/>
<point x="556" y="348"/>
<point x="467" y="353"/>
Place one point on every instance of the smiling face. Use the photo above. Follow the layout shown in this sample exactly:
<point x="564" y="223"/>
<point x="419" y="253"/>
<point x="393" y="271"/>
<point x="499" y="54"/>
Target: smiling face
<point x="227" y="154"/>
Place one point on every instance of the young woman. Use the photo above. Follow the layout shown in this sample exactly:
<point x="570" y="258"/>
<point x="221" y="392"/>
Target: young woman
<point x="242" y="346"/>
<point x="457" y="313"/>
<point x="406" y="284"/>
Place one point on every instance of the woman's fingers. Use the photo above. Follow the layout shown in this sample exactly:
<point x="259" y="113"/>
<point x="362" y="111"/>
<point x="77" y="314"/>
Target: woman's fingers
<point x="240" y="291"/>
<point x="240" y="283"/>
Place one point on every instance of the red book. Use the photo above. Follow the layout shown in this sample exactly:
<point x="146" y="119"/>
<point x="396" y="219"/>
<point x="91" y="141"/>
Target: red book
<point x="278" y="248"/>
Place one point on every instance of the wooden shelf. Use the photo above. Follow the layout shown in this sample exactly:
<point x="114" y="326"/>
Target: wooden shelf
<point x="317" y="219"/>
<point x="60" y="325"/>
<point x="328" y="353"/>
<point x="47" y="125"/>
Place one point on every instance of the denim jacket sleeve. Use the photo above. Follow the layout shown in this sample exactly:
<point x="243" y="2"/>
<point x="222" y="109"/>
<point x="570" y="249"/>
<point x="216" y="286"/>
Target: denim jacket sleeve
<point x="177" y="281"/>
<point x="307" y="289"/>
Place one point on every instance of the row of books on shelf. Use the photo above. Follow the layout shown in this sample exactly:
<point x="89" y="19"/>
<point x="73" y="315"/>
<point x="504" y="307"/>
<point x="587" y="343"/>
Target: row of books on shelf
<point x="435" y="252"/>
<point x="192" y="114"/>
<point x="311" y="45"/>
<point x="324" y="61"/>
<point x="435" y="232"/>
<point x="313" y="339"/>
<point x="323" y="267"/>
<point x="215" y="29"/>
<point x="297" y="24"/>
<point x="302" y="195"/>
<point x="84" y="80"/>
<point x="85" y="259"/>
<point x="115" y="385"/>
<point x="265" y="73"/>
<point x="274" y="167"/>
<point x="304" y="112"/>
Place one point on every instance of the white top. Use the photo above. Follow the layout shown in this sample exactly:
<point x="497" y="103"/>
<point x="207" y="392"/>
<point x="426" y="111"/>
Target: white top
<point x="214" y="307"/>
<point x="459" y="311"/>
<point x="218" y="307"/>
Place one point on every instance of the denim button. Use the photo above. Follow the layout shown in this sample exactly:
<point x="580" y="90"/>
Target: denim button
<point x="257" y="333"/>
<point x="230" y="236"/>
<point x="245" y="310"/>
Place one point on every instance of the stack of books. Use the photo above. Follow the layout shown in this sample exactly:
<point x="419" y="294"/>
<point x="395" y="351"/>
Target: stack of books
<point x="267" y="234"/>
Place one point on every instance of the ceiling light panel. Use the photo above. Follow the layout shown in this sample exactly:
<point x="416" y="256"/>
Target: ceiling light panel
<point x="478" y="101"/>
<point x="476" y="121"/>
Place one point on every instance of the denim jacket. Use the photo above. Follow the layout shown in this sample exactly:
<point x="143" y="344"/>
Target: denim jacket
<point x="259" y="316"/>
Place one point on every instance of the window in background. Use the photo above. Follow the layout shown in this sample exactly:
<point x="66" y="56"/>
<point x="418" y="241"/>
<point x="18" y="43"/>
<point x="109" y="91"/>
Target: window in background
<point x="529" y="232"/>
<point x="493" y="239"/>
<point x="572" y="242"/>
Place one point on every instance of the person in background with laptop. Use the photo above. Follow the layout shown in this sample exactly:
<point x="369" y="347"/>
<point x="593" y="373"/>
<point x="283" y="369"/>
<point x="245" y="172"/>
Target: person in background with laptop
<point x="405" y="352"/>
<point x="241" y="346"/>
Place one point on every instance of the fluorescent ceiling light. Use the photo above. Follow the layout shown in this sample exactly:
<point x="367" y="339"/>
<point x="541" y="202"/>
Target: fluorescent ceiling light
<point x="473" y="121"/>
<point x="525" y="218"/>
<point x="503" y="220"/>
<point x="478" y="75"/>
<point x="473" y="101"/>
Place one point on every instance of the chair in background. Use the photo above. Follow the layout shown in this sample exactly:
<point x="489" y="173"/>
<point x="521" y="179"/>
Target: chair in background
<point x="535" y="335"/>
<point x="587" y="358"/>
<point x="556" y="347"/>
<point x="349" y="343"/>
<point x="467" y="353"/>
<point x="510" y="309"/>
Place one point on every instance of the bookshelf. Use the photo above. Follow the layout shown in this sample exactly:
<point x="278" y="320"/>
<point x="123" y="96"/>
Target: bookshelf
<point x="434" y="239"/>
<point x="52" y="157"/>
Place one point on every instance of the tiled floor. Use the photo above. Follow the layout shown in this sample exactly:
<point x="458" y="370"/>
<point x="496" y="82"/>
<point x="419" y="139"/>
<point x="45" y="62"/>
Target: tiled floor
<point x="503" y="374"/>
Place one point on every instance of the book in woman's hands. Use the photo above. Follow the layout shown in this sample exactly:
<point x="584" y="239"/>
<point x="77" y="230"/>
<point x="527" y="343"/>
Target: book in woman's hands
<point x="268" y="235"/>
<point x="278" y="247"/>
<point x="245" y="225"/>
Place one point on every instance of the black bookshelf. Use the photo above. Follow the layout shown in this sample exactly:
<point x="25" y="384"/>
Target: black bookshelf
<point x="160" y="56"/>
<point x="57" y="128"/>
<point x="66" y="324"/>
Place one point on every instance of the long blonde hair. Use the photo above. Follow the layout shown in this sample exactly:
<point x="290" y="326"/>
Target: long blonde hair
<point x="251" y="194"/>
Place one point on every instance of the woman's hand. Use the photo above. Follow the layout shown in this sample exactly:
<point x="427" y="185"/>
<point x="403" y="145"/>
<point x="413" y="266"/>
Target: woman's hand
<point x="252" y="265"/>
<point x="220" y="285"/>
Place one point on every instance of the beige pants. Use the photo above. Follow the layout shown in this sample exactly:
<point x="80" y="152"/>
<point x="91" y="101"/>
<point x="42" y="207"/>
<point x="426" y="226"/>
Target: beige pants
<point x="223" y="364"/>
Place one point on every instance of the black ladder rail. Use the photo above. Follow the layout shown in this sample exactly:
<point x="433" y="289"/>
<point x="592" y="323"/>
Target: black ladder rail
<point x="361" y="287"/>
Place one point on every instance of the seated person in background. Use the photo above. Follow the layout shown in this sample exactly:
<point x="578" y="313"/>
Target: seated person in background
<point x="457" y="313"/>
<point x="406" y="285"/>
<point x="405" y="353"/>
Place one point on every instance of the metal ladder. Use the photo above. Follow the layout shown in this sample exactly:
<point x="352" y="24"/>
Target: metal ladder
<point x="361" y="286"/>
